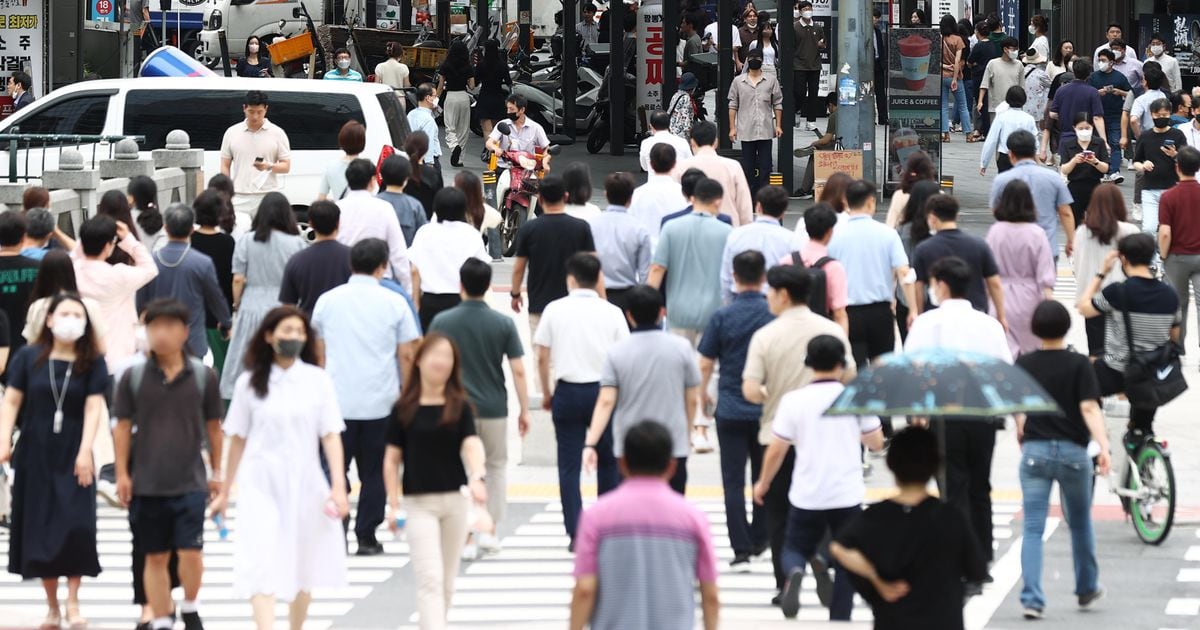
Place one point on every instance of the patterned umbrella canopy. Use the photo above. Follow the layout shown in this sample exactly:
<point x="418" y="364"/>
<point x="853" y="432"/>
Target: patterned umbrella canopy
<point x="940" y="382"/>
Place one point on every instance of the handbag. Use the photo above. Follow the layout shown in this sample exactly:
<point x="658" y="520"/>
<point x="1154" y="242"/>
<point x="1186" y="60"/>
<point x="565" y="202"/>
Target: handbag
<point x="1154" y="377"/>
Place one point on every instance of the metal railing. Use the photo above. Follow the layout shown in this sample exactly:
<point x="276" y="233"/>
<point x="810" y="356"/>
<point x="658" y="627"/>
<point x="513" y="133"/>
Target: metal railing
<point x="28" y="141"/>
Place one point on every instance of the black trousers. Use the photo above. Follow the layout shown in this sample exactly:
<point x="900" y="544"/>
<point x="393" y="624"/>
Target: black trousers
<point x="902" y="321"/>
<point x="1113" y="382"/>
<point x="739" y="444"/>
<point x="969" y="445"/>
<point x="1094" y="327"/>
<point x="616" y="297"/>
<point x="678" y="481"/>
<point x="756" y="163"/>
<point x="1002" y="162"/>
<point x="777" y="507"/>
<point x="434" y="303"/>
<point x="805" y="89"/>
<point x="872" y="331"/>
<point x="881" y="92"/>
<point x="364" y="441"/>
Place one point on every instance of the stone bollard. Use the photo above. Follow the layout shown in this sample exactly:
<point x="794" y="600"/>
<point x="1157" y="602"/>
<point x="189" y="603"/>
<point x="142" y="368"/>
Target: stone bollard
<point x="126" y="162"/>
<point x="72" y="175"/>
<point x="180" y="154"/>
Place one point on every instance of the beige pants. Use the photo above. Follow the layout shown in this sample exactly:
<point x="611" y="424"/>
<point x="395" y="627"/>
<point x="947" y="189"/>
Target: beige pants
<point x="494" y="434"/>
<point x="456" y="114"/>
<point x="437" y="531"/>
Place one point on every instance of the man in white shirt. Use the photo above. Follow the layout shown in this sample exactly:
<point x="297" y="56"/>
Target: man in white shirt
<point x="660" y="195"/>
<point x="366" y="216"/>
<point x="421" y="119"/>
<point x="827" y="483"/>
<point x="524" y="134"/>
<point x="737" y="202"/>
<point x="969" y="442"/>
<point x="1113" y="33"/>
<point x="1140" y="119"/>
<point x="253" y="153"/>
<point x="1191" y="128"/>
<point x="1169" y="64"/>
<point x="438" y="252"/>
<point x="711" y="41"/>
<point x="660" y="122"/>
<point x="572" y="339"/>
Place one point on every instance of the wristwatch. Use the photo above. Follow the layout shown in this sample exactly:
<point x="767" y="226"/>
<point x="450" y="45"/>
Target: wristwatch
<point x="1101" y="275"/>
<point x="515" y="294"/>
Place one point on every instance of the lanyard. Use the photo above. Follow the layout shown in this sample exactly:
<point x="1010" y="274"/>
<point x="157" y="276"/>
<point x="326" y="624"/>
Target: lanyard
<point x="59" y="396"/>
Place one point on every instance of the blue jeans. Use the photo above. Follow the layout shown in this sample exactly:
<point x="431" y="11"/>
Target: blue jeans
<point x="571" y="411"/>
<point x="1042" y="463"/>
<point x="1112" y="129"/>
<point x="960" y="105"/>
<point x="739" y="443"/>
<point x="805" y="529"/>
<point x="972" y="98"/>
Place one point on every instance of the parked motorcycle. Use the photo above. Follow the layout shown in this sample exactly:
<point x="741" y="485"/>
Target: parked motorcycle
<point x="598" y="119"/>
<point x="517" y="187"/>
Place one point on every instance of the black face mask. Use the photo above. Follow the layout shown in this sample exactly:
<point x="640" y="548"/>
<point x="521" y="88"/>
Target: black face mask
<point x="1162" y="123"/>
<point x="755" y="64"/>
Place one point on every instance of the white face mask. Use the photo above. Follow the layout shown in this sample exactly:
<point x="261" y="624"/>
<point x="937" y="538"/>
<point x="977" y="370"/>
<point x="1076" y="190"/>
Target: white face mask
<point x="796" y="13"/>
<point x="933" y="297"/>
<point x="1032" y="30"/>
<point x="1118" y="53"/>
<point x="343" y="64"/>
<point x="1014" y="54"/>
<point x="1156" y="50"/>
<point x="1103" y="66"/>
<point x="253" y="48"/>
<point x="1084" y="135"/>
<point x="806" y="15"/>
<point x="68" y="328"/>
<point x="436" y="100"/>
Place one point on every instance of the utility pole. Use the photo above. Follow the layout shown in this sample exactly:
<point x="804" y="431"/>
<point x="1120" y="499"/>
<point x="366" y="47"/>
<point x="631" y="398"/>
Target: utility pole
<point x="785" y="29"/>
<point x="570" y="68"/>
<point x="854" y="82"/>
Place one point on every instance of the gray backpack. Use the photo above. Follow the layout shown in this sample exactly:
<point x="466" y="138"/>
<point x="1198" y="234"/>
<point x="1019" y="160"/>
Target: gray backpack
<point x="138" y="371"/>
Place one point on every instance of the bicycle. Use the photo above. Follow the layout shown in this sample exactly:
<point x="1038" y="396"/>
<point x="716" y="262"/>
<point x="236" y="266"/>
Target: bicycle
<point x="1146" y="486"/>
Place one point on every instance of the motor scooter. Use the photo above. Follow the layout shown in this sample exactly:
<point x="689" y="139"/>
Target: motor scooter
<point x="516" y="188"/>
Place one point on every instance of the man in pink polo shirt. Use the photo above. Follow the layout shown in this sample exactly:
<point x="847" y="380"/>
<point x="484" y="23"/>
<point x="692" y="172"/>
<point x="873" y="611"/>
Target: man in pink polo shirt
<point x="641" y="548"/>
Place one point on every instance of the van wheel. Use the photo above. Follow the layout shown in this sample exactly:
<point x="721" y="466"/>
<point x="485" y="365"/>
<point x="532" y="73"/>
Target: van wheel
<point x="193" y="47"/>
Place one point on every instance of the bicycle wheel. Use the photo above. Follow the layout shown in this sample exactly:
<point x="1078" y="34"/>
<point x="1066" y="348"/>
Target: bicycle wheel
<point x="1153" y="510"/>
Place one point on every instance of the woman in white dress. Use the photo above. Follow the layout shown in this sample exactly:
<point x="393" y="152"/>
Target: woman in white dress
<point x="289" y="538"/>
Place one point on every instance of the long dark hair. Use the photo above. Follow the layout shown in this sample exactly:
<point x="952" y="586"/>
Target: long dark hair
<point x="213" y="210"/>
<point x="948" y="26"/>
<point x="1104" y="211"/>
<point x="260" y="356"/>
<point x="410" y="393"/>
<point x="86" y="351"/>
<point x="834" y="192"/>
<point x="472" y="187"/>
<point x="915" y="214"/>
<point x="416" y="145"/>
<point x="115" y="204"/>
<point x="457" y="57"/>
<point x="764" y="20"/>
<point x="917" y="168"/>
<point x="145" y="198"/>
<point x="491" y="58"/>
<point x="1058" y="55"/>
<point x="577" y="177"/>
<point x="56" y="274"/>
<point x="274" y="213"/>
<point x="1016" y="204"/>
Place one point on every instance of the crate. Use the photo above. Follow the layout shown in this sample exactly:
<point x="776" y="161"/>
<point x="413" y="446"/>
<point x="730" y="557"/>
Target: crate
<point x="410" y="56"/>
<point x="431" y="57"/>
<point x="291" y="49"/>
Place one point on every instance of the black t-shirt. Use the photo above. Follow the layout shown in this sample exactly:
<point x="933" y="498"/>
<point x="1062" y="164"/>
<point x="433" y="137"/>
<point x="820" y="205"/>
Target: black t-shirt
<point x="547" y="242"/>
<point x="1084" y="174"/>
<point x="456" y="78"/>
<point x="1070" y="379"/>
<point x="1149" y="147"/>
<point x="972" y="249"/>
<point x="218" y="247"/>
<point x="423" y="191"/>
<point x="17" y="275"/>
<point x="431" y="450"/>
<point x="312" y="272"/>
<point x="981" y="54"/>
<point x="929" y="546"/>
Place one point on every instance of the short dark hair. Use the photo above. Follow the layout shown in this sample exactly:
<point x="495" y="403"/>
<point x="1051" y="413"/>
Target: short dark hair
<point x="359" y="173"/>
<point x="644" y="304"/>
<point x="517" y="99"/>
<point x="749" y="267"/>
<point x="352" y="137"/>
<point x="688" y="181"/>
<point x="1015" y="97"/>
<point x="1082" y="68"/>
<point x="825" y="353"/>
<point x="179" y="220"/>
<point x="166" y="308"/>
<point x="660" y="120"/>
<point x="368" y="255"/>
<point x="618" y="188"/>
<point x="475" y="276"/>
<point x="662" y="158"/>
<point x="1051" y="320"/>
<point x="21" y="77"/>
<point x="819" y="220"/>
<point x="858" y="192"/>
<point x="585" y="268"/>
<point x="256" y="97"/>
<point x="324" y="216"/>
<point x="12" y="228"/>
<point x="708" y="190"/>
<point x="793" y="279"/>
<point x="340" y="51"/>
<point x="424" y="91"/>
<point x="1153" y="76"/>
<point x="1188" y="160"/>
<point x="1116" y="25"/>
<point x="39" y="223"/>
<point x="944" y="207"/>
<point x="553" y="189"/>
<point x="648" y="449"/>
<point x="1159" y="104"/>
<point x="1157" y="36"/>
<point x="1137" y="249"/>
<point x="1021" y="144"/>
<point x="95" y="234"/>
<point x="773" y="199"/>
<point x="954" y="273"/>
<point x="913" y="456"/>
<point x="450" y="204"/>
<point x="1106" y="53"/>
<point x="704" y="134"/>
<point x="395" y="170"/>
<point x="1009" y="42"/>
<point x="1118" y="42"/>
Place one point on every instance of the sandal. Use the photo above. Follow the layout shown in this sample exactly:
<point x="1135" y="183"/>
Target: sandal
<point x="945" y="137"/>
<point x="974" y="137"/>
<point x="75" y="621"/>
<point x="53" y="620"/>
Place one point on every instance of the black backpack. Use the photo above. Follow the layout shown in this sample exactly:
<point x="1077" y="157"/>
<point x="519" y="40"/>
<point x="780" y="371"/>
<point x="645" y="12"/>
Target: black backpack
<point x="818" y="296"/>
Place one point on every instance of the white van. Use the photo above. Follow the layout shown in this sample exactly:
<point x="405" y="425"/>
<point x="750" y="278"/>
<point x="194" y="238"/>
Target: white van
<point x="311" y="112"/>
<point x="241" y="19"/>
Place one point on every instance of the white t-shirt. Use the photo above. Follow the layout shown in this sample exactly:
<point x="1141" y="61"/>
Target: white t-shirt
<point x="710" y="31"/>
<point x="392" y="73"/>
<point x="439" y="250"/>
<point x="579" y="330"/>
<point x="828" y="473"/>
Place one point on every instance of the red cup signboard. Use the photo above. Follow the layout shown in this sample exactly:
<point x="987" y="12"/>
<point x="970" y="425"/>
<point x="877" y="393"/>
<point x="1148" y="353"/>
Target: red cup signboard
<point x="6" y="106"/>
<point x="914" y="94"/>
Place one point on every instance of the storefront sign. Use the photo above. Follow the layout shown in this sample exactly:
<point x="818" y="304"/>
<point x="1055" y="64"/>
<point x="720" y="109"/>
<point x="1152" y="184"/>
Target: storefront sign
<point x="914" y="97"/>
<point x="650" y="57"/>
<point x="21" y="28"/>
<point x="1181" y="35"/>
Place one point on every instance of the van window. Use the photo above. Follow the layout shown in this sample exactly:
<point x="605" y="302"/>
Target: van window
<point x="312" y="121"/>
<point x="79" y="115"/>
<point x="397" y="121"/>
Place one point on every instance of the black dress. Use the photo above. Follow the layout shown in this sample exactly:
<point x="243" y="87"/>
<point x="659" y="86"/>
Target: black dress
<point x="1083" y="179"/>
<point x="254" y="70"/>
<point x="53" y="517"/>
<point x="490" y="103"/>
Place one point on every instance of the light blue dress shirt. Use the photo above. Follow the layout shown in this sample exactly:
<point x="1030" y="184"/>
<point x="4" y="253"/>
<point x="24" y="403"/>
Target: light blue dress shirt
<point x="361" y="324"/>
<point x="1049" y="192"/>
<point x="766" y="236"/>
<point x="686" y="249"/>
<point x="421" y="119"/>
<point x="623" y="246"/>
<point x="870" y="251"/>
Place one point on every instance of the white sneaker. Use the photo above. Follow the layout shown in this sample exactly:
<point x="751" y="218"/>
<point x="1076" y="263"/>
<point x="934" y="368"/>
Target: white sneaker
<point x="701" y="444"/>
<point x="811" y="126"/>
<point x="489" y="544"/>
<point x="470" y="552"/>
<point x="107" y="491"/>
